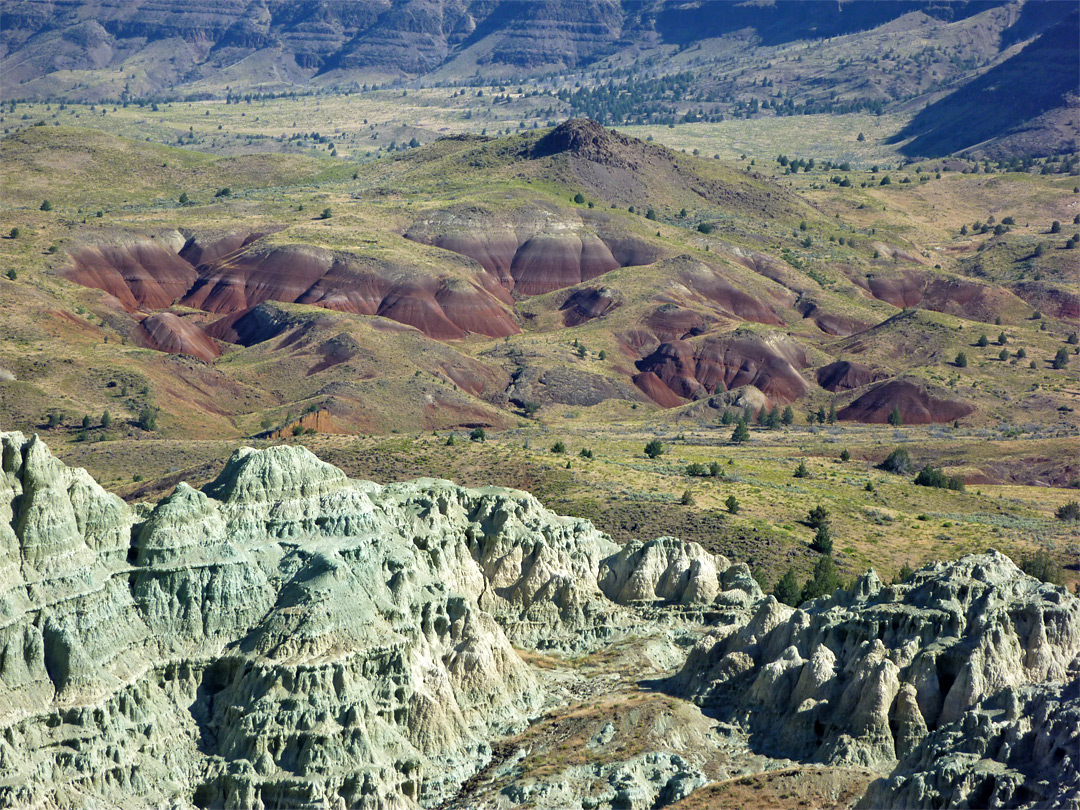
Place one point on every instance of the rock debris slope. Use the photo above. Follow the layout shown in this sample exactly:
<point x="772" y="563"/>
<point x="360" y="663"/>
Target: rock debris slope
<point x="290" y="637"/>
<point x="286" y="637"/>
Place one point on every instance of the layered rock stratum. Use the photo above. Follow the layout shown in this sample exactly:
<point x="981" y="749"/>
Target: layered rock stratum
<point x="288" y="637"/>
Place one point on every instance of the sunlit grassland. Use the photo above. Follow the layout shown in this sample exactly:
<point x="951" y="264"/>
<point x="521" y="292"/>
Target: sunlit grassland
<point x="896" y="523"/>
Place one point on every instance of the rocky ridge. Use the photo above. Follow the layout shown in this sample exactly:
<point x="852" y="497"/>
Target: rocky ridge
<point x="907" y="672"/>
<point x="994" y="756"/>
<point x="288" y="636"/>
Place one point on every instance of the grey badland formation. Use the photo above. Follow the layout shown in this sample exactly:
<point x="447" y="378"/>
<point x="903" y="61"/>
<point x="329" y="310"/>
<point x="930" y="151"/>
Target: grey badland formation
<point x="288" y="637"/>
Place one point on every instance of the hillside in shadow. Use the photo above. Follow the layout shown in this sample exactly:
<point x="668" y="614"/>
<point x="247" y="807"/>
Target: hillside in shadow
<point x="1004" y="99"/>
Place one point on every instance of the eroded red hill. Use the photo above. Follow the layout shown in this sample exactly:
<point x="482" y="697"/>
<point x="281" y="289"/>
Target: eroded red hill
<point x="844" y="375"/>
<point x="914" y="401"/>
<point x="236" y="277"/>
<point x="656" y="390"/>
<point x="140" y="274"/>
<point x="672" y="322"/>
<point x="955" y="296"/>
<point x="170" y="333"/>
<point x="536" y="249"/>
<point x="695" y="371"/>
<point x="830" y="323"/>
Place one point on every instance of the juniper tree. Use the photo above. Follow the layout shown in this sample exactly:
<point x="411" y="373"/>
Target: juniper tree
<point x="787" y="589"/>
<point x="741" y="433"/>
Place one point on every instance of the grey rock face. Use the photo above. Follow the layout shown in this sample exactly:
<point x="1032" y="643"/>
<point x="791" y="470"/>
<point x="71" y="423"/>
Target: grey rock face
<point x="284" y="637"/>
<point x="641" y="783"/>
<point x="670" y="571"/>
<point x="864" y="678"/>
<point x="1018" y="748"/>
<point x="290" y="637"/>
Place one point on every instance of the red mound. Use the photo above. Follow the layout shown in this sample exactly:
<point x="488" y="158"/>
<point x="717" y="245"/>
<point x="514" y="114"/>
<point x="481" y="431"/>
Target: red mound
<point x="838" y="325"/>
<point x="729" y="300"/>
<point x="637" y="342"/>
<point x="629" y="251"/>
<point x="549" y="262"/>
<point x="655" y="389"/>
<point x="167" y="332"/>
<point x="443" y="310"/>
<point x="533" y="254"/>
<point x="714" y="365"/>
<point x="142" y="275"/>
<point x="283" y="274"/>
<point x="830" y="324"/>
<point x="1050" y="299"/>
<point x="345" y="288"/>
<point x="585" y="304"/>
<point x="960" y="297"/>
<point x="845" y="376"/>
<point x="494" y="250"/>
<point x="232" y="281"/>
<point x="474" y="377"/>
<point x="671" y="322"/>
<point x="900" y="291"/>
<point x="916" y="404"/>
<point x="416" y="306"/>
<point x="967" y="299"/>
<point x="770" y="268"/>
<point x="201" y="251"/>
<point x="473" y="310"/>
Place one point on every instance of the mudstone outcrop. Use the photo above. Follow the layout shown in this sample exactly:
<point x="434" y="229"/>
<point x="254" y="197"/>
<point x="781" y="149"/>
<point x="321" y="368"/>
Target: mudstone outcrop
<point x="287" y="636"/>
<point x="912" y="673"/>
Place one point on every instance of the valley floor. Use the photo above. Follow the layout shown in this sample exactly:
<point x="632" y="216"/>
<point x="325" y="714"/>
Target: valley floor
<point x="628" y="495"/>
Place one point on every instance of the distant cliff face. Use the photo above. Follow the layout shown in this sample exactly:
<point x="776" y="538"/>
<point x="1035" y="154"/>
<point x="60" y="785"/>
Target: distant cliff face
<point x="387" y="36"/>
<point x="186" y="42"/>
<point x="93" y="50"/>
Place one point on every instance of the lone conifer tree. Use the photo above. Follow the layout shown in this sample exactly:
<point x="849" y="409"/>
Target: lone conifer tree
<point x="741" y="433"/>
